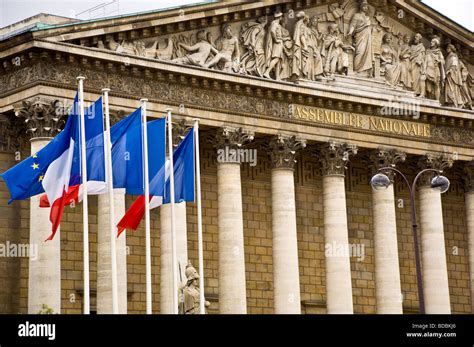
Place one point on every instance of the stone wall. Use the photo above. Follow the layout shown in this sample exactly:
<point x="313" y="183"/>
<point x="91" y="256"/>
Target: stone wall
<point x="256" y="192"/>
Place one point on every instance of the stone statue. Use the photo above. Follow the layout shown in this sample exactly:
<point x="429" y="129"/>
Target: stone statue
<point x="360" y="28"/>
<point x="405" y="64"/>
<point x="333" y="51"/>
<point x="417" y="65"/>
<point x="300" y="46"/>
<point x="434" y="69"/>
<point x="227" y="51"/>
<point x="453" y="90"/>
<point x="314" y="65"/>
<point x="252" y="36"/>
<point x="389" y="62"/>
<point x="274" y="47"/>
<point x="200" y="51"/>
<point x="190" y="293"/>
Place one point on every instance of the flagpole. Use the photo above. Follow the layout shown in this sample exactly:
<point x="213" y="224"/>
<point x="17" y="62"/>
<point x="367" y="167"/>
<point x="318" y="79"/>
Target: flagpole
<point x="202" y="307"/>
<point x="110" y="186"/>
<point x="85" y="209"/>
<point x="147" y="209"/>
<point x="174" y="261"/>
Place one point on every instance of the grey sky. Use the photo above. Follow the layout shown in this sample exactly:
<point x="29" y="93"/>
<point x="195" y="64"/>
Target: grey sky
<point x="12" y="11"/>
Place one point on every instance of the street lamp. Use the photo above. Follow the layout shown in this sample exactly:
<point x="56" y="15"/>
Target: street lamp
<point x="381" y="181"/>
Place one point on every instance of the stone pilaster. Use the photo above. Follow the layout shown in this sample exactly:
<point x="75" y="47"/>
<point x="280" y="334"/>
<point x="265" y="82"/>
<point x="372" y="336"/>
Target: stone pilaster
<point x="43" y="121"/>
<point x="387" y="269"/>
<point x="166" y="271"/>
<point x="283" y="150"/>
<point x="334" y="157"/>
<point x="232" y="286"/>
<point x="469" y="196"/>
<point x="433" y="251"/>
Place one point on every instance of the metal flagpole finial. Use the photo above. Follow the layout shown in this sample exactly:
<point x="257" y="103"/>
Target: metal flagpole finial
<point x="196" y="120"/>
<point x="105" y="90"/>
<point x="168" y="109"/>
<point x="143" y="100"/>
<point x="81" y="78"/>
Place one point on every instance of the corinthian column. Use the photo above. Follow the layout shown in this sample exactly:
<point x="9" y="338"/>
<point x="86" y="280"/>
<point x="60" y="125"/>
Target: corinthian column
<point x="387" y="270"/>
<point x="433" y="251"/>
<point x="232" y="286"/>
<point x="286" y="276"/>
<point x="469" y="196"/>
<point x="166" y="270"/>
<point x="334" y="158"/>
<point x="43" y="122"/>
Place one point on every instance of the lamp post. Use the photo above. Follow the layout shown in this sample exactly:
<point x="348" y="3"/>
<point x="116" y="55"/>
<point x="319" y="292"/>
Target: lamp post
<point x="381" y="181"/>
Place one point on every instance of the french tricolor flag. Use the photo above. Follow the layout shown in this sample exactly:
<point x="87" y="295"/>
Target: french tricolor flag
<point x="95" y="157"/>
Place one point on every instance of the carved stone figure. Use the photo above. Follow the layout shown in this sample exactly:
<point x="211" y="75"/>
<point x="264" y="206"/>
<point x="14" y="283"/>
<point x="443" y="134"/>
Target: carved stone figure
<point x="227" y="51"/>
<point x="190" y="293"/>
<point x="405" y="64"/>
<point x="434" y="69"/>
<point x="361" y="29"/>
<point x="314" y="65"/>
<point x="333" y="51"/>
<point x="417" y="65"/>
<point x="274" y="46"/>
<point x="199" y="52"/>
<point x="287" y="56"/>
<point x="466" y="94"/>
<point x="252" y="36"/>
<point x="338" y="11"/>
<point x="300" y="46"/>
<point x="389" y="62"/>
<point x="453" y="90"/>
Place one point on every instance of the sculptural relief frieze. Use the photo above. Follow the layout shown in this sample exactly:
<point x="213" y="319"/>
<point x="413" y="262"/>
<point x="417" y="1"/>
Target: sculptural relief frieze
<point x="348" y="37"/>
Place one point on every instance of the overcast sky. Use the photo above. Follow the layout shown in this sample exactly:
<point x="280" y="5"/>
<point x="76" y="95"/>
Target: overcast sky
<point x="12" y="11"/>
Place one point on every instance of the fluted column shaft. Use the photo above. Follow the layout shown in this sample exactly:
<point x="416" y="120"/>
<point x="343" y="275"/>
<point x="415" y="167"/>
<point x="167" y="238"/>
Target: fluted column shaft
<point x="388" y="290"/>
<point x="470" y="237"/>
<point x="232" y="283"/>
<point x="104" y="265"/>
<point x="44" y="272"/>
<point x="387" y="270"/>
<point x="166" y="270"/>
<point x="286" y="279"/>
<point x="433" y="252"/>
<point x="334" y="157"/>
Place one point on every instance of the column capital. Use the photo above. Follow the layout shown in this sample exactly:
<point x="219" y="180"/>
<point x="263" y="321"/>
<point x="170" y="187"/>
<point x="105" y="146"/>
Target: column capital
<point x="334" y="157"/>
<point x="439" y="162"/>
<point x="232" y="137"/>
<point x="179" y="131"/>
<point x="283" y="150"/>
<point x="43" y="117"/>
<point x="468" y="176"/>
<point x="385" y="157"/>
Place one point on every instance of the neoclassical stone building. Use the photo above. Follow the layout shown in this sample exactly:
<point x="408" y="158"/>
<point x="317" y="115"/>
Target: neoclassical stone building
<point x="326" y="92"/>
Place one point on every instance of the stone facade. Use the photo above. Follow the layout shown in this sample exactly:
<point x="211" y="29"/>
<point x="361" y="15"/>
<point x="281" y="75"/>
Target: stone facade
<point x="321" y="120"/>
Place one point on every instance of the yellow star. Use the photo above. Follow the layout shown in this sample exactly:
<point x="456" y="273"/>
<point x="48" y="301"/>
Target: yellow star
<point x="40" y="178"/>
<point x="35" y="166"/>
<point x="34" y="155"/>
